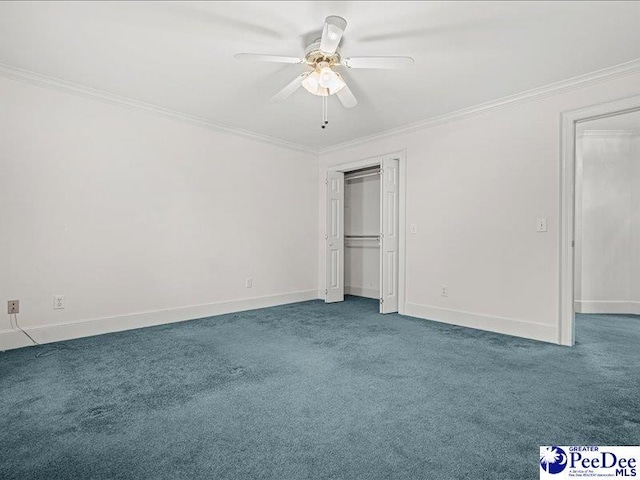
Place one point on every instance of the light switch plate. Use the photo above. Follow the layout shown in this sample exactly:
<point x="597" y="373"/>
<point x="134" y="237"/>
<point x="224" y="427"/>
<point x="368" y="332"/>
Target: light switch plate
<point x="541" y="224"/>
<point x="414" y="228"/>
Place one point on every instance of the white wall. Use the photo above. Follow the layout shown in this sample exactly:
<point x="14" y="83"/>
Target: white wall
<point x="606" y="238"/>
<point x="362" y="217"/>
<point x="475" y="187"/>
<point x="124" y="213"/>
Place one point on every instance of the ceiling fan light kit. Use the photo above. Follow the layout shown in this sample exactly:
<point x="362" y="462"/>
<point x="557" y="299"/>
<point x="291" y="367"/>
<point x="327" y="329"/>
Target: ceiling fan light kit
<point x="322" y="57"/>
<point x="323" y="81"/>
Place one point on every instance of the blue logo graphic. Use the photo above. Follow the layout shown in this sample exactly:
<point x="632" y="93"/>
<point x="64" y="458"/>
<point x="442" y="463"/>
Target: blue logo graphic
<point x="553" y="459"/>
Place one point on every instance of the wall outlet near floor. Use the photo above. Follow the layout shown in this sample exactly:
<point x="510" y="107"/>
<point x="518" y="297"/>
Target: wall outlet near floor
<point x="58" y="302"/>
<point x="444" y="291"/>
<point x="13" y="306"/>
<point x="248" y="283"/>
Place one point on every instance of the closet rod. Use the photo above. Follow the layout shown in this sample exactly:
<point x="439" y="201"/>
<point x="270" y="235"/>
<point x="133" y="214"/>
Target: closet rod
<point x="362" y="236"/>
<point x="361" y="175"/>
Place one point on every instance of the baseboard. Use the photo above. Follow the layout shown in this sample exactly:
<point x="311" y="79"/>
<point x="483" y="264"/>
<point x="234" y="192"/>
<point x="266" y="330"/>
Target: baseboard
<point x="607" y="306"/>
<point x="362" y="292"/>
<point x="507" y="326"/>
<point x="10" y="339"/>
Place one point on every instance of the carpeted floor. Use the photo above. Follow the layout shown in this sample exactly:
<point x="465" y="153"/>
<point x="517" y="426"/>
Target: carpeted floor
<point x="314" y="391"/>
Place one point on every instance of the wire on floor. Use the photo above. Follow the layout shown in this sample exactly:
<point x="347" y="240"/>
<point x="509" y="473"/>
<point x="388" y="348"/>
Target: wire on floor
<point x="45" y="353"/>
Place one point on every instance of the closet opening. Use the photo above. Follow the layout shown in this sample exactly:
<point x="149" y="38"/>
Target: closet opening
<point x="363" y="232"/>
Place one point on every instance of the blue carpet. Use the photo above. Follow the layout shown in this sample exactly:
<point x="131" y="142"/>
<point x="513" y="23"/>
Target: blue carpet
<point x="314" y="391"/>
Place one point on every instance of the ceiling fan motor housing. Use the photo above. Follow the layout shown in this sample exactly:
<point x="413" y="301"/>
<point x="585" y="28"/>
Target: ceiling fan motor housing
<point x="314" y="56"/>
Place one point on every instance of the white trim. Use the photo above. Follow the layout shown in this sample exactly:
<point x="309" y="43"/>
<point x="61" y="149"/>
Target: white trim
<point x="568" y="120"/>
<point x="402" y="214"/>
<point x="10" y="339"/>
<point x="364" y="163"/>
<point x="608" y="306"/>
<point x="39" y="80"/>
<point x="538" y="93"/>
<point x="608" y="134"/>
<point x="362" y="292"/>
<point x="490" y="323"/>
<point x="402" y="234"/>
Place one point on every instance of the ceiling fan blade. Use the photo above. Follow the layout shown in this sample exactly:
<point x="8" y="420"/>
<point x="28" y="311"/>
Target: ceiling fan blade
<point x="332" y="33"/>
<point x="257" y="57"/>
<point x="346" y="97"/>
<point x="378" y="62"/>
<point x="290" y="88"/>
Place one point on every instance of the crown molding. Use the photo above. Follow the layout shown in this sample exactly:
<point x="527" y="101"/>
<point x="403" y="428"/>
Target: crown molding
<point x="39" y="80"/>
<point x="574" y="83"/>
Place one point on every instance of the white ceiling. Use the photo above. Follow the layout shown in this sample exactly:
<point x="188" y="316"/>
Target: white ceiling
<point x="179" y="55"/>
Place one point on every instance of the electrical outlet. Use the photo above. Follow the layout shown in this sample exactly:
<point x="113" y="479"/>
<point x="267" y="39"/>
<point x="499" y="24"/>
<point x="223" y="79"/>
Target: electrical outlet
<point x="58" y="302"/>
<point x="249" y="283"/>
<point x="444" y="291"/>
<point x="13" y="306"/>
<point x="414" y="228"/>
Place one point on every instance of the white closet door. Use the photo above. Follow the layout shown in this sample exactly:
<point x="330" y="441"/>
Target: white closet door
<point x="389" y="243"/>
<point x="335" y="238"/>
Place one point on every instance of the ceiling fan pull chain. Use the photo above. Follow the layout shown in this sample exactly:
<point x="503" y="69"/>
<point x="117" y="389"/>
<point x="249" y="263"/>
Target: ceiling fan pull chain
<point x="325" y="111"/>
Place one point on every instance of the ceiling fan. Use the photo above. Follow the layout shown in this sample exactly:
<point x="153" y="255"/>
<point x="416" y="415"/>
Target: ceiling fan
<point x="323" y="56"/>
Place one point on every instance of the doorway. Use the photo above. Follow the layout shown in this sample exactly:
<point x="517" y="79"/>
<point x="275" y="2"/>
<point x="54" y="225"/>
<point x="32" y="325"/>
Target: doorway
<point x="598" y="204"/>
<point x="607" y="210"/>
<point x="364" y="241"/>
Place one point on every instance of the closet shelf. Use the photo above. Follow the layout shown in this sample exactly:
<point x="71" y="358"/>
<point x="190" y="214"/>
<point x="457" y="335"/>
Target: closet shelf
<point x="362" y="241"/>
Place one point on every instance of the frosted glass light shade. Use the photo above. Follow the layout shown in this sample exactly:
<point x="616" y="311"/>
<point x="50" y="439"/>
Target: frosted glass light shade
<point x="327" y="77"/>
<point x="323" y="82"/>
<point x="312" y="83"/>
<point x="337" y="84"/>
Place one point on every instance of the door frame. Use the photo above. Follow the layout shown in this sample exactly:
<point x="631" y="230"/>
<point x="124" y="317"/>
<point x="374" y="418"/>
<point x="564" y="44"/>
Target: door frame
<point x="568" y="121"/>
<point x="372" y="162"/>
